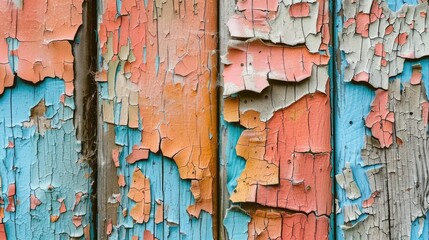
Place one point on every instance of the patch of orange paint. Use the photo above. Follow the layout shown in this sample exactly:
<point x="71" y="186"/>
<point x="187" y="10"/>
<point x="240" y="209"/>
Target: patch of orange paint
<point x="140" y="193"/>
<point x="269" y="224"/>
<point x="177" y="90"/>
<point x="137" y="154"/>
<point x="34" y="202"/>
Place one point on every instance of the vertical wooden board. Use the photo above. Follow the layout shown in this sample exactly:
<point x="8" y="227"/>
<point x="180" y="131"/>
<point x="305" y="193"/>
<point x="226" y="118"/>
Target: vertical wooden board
<point x="381" y="127"/>
<point x="45" y="176"/>
<point x="276" y="117"/>
<point x="157" y="84"/>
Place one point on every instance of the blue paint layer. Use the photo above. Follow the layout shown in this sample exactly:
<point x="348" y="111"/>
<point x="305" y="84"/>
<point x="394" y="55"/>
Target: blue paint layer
<point x="45" y="164"/>
<point x="166" y="187"/>
<point x="234" y="164"/>
<point x="236" y="223"/>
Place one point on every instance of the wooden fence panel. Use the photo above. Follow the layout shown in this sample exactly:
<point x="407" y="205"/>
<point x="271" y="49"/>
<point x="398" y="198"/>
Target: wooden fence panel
<point x="44" y="167"/>
<point x="116" y="124"/>
<point x="158" y="106"/>
<point x="381" y="119"/>
<point x="275" y="122"/>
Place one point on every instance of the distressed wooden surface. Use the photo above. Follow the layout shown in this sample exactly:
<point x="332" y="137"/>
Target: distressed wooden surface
<point x="152" y="130"/>
<point x="275" y="122"/>
<point x="158" y="105"/>
<point x="45" y="174"/>
<point x="381" y="120"/>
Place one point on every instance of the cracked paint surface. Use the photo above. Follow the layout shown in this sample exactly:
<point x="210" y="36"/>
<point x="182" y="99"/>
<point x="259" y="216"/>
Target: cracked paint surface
<point x="275" y="81"/>
<point x="40" y="153"/>
<point x="376" y="40"/>
<point x="382" y="128"/>
<point x="157" y="81"/>
<point x="38" y="199"/>
<point x="34" y="40"/>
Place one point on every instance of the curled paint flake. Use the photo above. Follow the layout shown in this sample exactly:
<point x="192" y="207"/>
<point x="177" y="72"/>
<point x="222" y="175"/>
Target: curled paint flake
<point x="251" y="64"/>
<point x="282" y="21"/>
<point x="137" y="154"/>
<point x="347" y="182"/>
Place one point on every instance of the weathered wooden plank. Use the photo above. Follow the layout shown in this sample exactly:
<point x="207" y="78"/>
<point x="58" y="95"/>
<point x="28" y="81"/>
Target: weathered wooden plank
<point x="157" y="80"/>
<point x="381" y="128"/>
<point x="276" y="116"/>
<point x="45" y="175"/>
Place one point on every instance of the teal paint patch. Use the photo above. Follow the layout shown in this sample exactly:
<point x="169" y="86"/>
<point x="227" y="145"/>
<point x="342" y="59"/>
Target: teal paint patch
<point x="236" y="223"/>
<point x="166" y="187"/>
<point x="420" y="228"/>
<point x="234" y="164"/>
<point x="42" y="162"/>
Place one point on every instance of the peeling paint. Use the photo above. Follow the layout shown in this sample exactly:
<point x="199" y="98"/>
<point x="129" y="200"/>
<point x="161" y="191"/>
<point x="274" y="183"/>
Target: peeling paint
<point x="40" y="152"/>
<point x="157" y="79"/>
<point x="376" y="41"/>
<point x="275" y="85"/>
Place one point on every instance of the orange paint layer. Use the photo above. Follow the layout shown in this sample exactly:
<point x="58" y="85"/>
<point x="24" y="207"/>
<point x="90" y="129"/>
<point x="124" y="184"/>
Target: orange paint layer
<point x="276" y="225"/>
<point x="140" y="193"/>
<point x="137" y="154"/>
<point x="175" y="77"/>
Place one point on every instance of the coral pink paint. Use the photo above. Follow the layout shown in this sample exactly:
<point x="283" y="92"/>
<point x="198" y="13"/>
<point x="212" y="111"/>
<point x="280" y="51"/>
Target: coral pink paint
<point x="115" y="157"/>
<point x="388" y="30"/>
<point x="402" y="38"/>
<point x="253" y="61"/>
<point x="362" y="24"/>
<point x="299" y="10"/>
<point x="416" y="77"/>
<point x="349" y="22"/>
<point x="425" y="112"/>
<point x="378" y="50"/>
<point x="370" y="201"/>
<point x="380" y="119"/>
<point x="361" y="77"/>
<point x="77" y="221"/>
<point x="299" y="139"/>
<point x="44" y="48"/>
<point x="34" y="202"/>
<point x="109" y="227"/>
<point x="301" y="226"/>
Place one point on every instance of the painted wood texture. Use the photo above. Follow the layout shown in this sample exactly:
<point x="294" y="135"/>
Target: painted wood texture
<point x="381" y="120"/>
<point x="111" y="125"/>
<point x="45" y="176"/>
<point x="158" y="105"/>
<point x="275" y="122"/>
